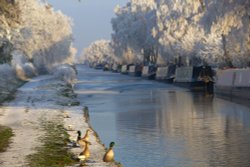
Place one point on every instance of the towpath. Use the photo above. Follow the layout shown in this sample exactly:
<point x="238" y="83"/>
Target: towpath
<point x="42" y="99"/>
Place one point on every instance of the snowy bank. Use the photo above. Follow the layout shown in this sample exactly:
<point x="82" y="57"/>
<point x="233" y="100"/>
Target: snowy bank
<point x="44" y="98"/>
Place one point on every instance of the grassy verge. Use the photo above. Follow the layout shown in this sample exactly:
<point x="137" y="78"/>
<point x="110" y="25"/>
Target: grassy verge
<point x="5" y="135"/>
<point x="53" y="152"/>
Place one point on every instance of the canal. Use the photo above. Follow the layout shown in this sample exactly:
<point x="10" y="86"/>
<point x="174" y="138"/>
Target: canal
<point x="156" y="124"/>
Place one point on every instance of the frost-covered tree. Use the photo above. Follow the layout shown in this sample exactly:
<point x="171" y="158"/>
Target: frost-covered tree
<point x="99" y="52"/>
<point x="132" y="30"/>
<point x="228" y="22"/>
<point x="34" y="38"/>
<point x="177" y="28"/>
<point x="9" y="19"/>
<point x="45" y="35"/>
<point x="202" y="30"/>
<point x="205" y="30"/>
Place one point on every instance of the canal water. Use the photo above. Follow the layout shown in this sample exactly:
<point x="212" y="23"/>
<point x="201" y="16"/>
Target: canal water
<point x="158" y="125"/>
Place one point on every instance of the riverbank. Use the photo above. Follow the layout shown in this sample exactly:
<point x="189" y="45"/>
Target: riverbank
<point x="39" y="102"/>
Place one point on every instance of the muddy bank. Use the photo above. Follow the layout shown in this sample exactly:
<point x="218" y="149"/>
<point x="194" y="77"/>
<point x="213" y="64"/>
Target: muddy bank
<point x="43" y="99"/>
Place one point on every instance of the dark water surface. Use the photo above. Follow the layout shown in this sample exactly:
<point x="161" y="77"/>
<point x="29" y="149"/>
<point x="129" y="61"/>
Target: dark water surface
<point x="159" y="125"/>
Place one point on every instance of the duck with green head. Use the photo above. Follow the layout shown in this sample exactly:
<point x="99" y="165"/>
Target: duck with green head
<point x="109" y="155"/>
<point x="79" y="140"/>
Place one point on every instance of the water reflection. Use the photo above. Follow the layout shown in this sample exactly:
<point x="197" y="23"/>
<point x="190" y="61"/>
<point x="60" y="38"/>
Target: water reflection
<point x="159" y="125"/>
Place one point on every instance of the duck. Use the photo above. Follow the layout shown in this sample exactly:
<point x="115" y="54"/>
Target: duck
<point x="82" y="141"/>
<point x="86" y="152"/>
<point x="109" y="155"/>
<point x="81" y="158"/>
<point x="86" y="136"/>
<point x="79" y="140"/>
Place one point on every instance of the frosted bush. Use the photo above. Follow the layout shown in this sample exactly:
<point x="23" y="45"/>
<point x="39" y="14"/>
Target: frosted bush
<point x="8" y="79"/>
<point x="29" y="70"/>
<point x="24" y="69"/>
<point x="65" y="73"/>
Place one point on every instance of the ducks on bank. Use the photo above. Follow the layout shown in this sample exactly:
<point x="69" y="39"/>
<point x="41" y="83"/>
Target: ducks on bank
<point x="84" y="143"/>
<point x="109" y="155"/>
<point x="86" y="136"/>
<point x="80" y="141"/>
<point x="86" y="152"/>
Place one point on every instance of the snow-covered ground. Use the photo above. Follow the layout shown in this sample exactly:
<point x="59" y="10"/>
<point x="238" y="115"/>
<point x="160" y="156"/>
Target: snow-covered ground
<point x="37" y="100"/>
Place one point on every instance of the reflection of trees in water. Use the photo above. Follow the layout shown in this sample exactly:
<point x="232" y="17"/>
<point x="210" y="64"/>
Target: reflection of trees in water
<point x="178" y="126"/>
<point x="208" y="131"/>
<point x="139" y="119"/>
<point x="212" y="133"/>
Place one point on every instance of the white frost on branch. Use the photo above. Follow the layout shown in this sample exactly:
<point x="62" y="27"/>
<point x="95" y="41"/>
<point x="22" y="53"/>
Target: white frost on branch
<point x="99" y="52"/>
<point x="213" y="31"/>
<point x="45" y="35"/>
<point x="37" y="41"/>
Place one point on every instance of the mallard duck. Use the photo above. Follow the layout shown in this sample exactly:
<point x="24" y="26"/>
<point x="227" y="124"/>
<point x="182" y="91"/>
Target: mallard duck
<point x="79" y="135"/>
<point x="79" y="140"/>
<point x="86" y="136"/>
<point x="82" y="159"/>
<point x="109" y="155"/>
<point x="86" y="151"/>
<point x="82" y="141"/>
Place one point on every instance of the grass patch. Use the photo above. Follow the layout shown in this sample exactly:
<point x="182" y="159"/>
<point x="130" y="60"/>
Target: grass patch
<point x="5" y="133"/>
<point x="53" y="152"/>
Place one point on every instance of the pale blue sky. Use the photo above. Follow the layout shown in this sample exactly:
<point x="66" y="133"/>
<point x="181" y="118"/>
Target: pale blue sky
<point x="91" y="18"/>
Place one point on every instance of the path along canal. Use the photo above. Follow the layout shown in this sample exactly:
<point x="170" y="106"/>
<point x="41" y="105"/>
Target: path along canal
<point x="159" y="125"/>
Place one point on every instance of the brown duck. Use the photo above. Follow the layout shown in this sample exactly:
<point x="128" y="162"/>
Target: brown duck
<point x="82" y="141"/>
<point x="109" y="155"/>
<point x="86" y="152"/>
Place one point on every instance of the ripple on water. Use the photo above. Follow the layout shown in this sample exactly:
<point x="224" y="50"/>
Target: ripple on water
<point x="154" y="125"/>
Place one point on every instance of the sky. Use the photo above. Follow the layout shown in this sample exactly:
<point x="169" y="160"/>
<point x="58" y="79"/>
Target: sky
<point x="91" y="19"/>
